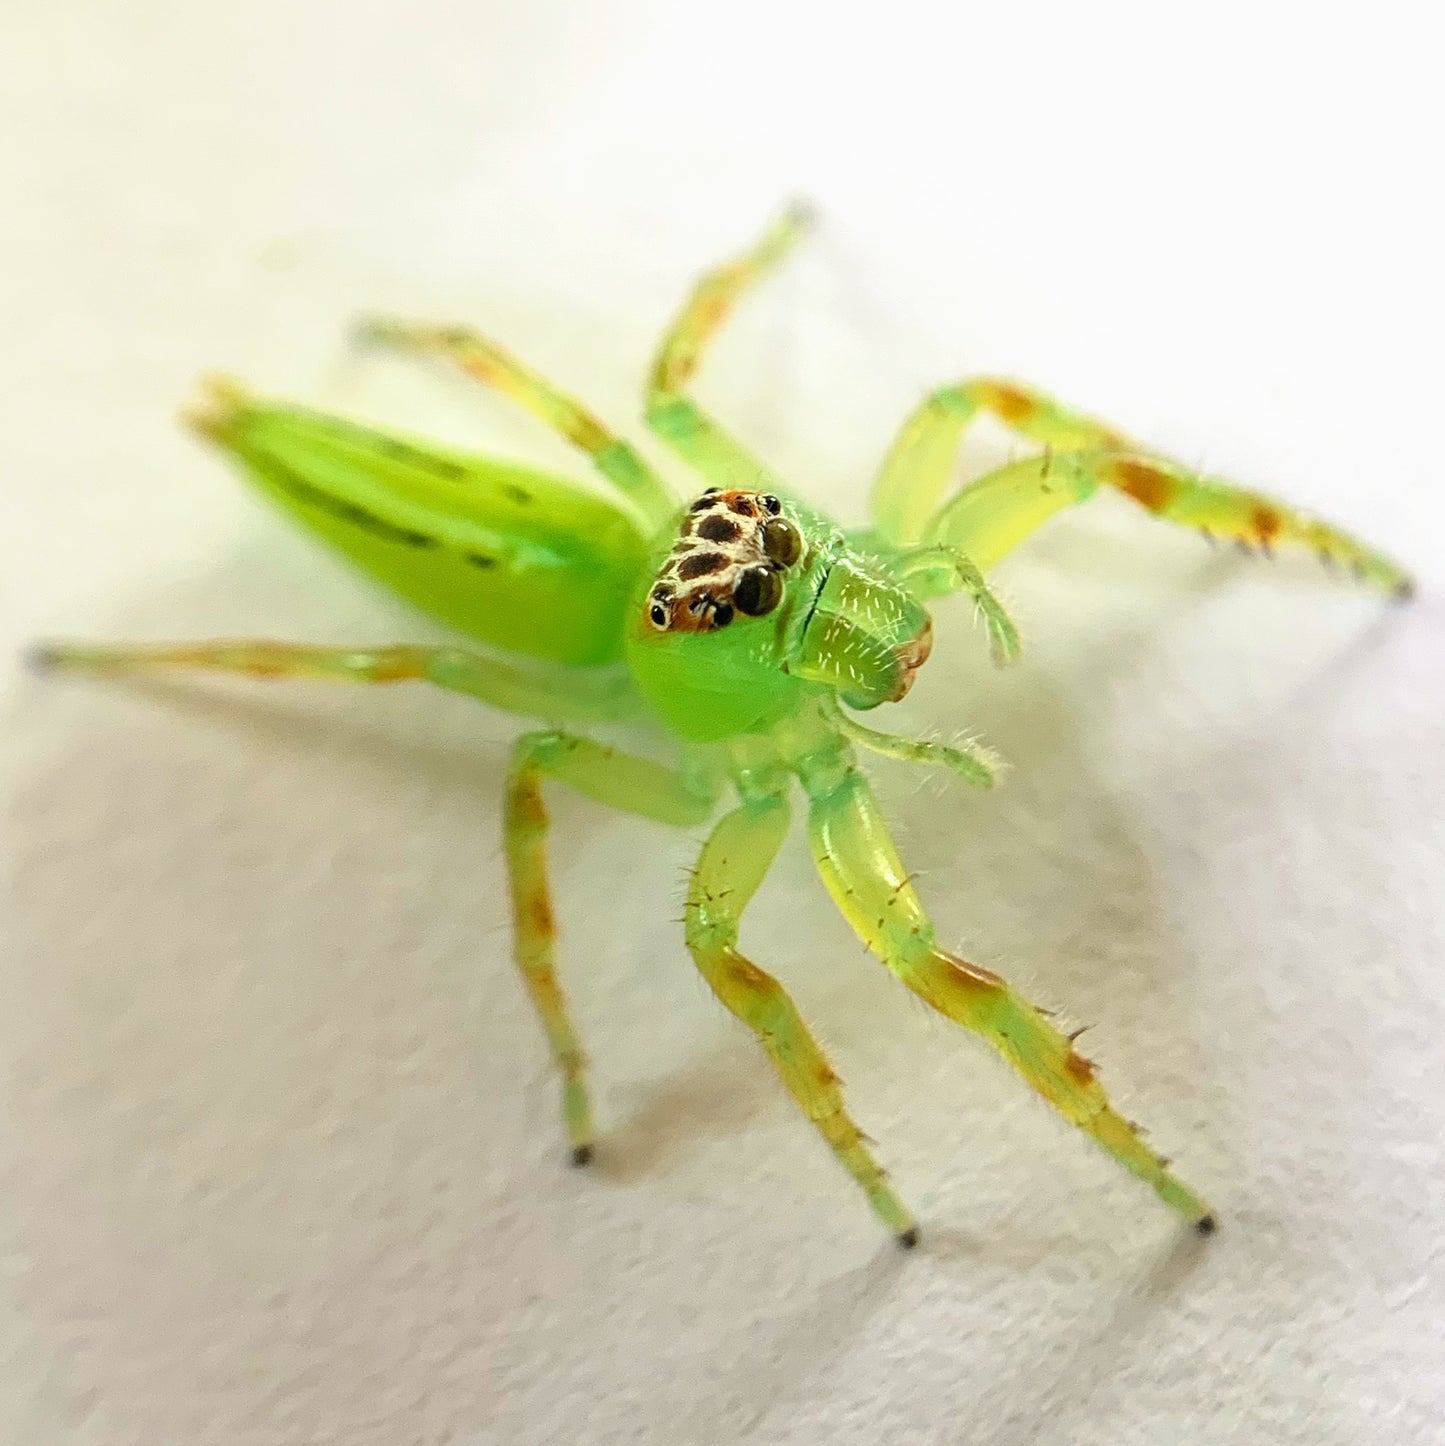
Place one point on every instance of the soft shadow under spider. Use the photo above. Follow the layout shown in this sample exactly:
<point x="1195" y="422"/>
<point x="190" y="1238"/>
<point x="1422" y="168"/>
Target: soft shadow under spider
<point x="714" y="1096"/>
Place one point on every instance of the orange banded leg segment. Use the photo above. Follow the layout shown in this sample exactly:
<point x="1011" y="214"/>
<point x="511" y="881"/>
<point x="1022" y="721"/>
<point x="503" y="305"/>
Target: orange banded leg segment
<point x="671" y="413"/>
<point x="534" y="689"/>
<point x="858" y="864"/>
<point x="732" y="865"/>
<point x="916" y="472"/>
<point x="989" y="517"/>
<point x="619" y="780"/>
<point x="483" y="359"/>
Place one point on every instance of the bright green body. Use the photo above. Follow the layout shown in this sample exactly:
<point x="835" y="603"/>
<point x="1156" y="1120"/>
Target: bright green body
<point x="510" y="556"/>
<point x="755" y="678"/>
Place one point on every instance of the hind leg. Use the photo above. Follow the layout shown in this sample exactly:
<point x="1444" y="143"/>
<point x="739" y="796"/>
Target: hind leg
<point x="537" y="690"/>
<point x="483" y="359"/>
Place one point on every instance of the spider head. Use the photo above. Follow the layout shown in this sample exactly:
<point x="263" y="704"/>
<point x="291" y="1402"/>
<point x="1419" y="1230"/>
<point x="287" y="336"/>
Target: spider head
<point x="757" y="601"/>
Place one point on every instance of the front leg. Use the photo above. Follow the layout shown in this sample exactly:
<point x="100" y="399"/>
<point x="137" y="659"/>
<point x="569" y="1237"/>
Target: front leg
<point x="993" y="514"/>
<point x="858" y="864"/>
<point x="490" y="364"/>
<point x="916" y="472"/>
<point x="733" y="863"/>
<point x="621" y="781"/>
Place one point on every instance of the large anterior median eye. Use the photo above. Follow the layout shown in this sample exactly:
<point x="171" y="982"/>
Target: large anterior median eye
<point x="782" y="541"/>
<point x="757" y="591"/>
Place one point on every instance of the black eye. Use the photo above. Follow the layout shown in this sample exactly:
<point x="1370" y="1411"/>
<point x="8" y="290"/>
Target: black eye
<point x="722" y="615"/>
<point x="770" y="503"/>
<point x="782" y="542"/>
<point x="758" y="591"/>
<point x="658" y="614"/>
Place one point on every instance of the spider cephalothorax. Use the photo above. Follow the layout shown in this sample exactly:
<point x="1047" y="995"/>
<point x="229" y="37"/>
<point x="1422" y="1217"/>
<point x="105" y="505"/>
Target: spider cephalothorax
<point x="732" y="550"/>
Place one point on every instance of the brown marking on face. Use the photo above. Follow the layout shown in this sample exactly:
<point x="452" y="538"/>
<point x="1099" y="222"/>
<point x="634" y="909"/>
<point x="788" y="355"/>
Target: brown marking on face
<point x="701" y="564"/>
<point x="717" y="528"/>
<point x="724" y="535"/>
<point x="1010" y="403"/>
<point x="1147" y="485"/>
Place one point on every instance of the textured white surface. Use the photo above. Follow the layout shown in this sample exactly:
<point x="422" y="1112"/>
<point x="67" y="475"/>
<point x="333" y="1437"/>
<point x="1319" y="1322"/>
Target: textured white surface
<point x="279" y="1155"/>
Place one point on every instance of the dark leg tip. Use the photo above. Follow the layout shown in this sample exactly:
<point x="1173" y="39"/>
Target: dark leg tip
<point x="40" y="657"/>
<point x="1405" y="591"/>
<point x="907" y="1239"/>
<point x="581" y="1154"/>
<point x="1206" y="1225"/>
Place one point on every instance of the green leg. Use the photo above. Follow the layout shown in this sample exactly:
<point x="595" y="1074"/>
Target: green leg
<point x="972" y="763"/>
<point x="541" y="692"/>
<point x="858" y="863"/>
<point x="917" y="470"/>
<point x="732" y="865"/>
<point x="990" y="516"/>
<point x="488" y="363"/>
<point x="672" y="414"/>
<point x="938" y="570"/>
<point x="633" y="785"/>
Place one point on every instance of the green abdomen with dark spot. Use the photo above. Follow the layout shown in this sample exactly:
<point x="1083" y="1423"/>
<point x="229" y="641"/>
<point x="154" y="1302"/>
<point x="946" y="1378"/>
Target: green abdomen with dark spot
<point x="516" y="558"/>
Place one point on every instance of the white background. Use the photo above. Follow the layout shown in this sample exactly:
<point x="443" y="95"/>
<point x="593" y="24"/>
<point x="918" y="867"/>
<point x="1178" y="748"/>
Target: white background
<point x="278" y="1139"/>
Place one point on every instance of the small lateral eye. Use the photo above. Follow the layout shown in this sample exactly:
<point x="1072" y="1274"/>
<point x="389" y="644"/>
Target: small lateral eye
<point x="758" y="591"/>
<point x="704" y="501"/>
<point x="722" y="615"/>
<point x="782" y="542"/>
<point x="770" y="503"/>
<point x="657" y="615"/>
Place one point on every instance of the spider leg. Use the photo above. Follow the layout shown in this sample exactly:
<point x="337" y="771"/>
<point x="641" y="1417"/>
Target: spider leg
<point x="933" y="570"/>
<point x="992" y="515"/>
<point x="989" y="517"/>
<point x="634" y="785"/>
<point x="483" y="359"/>
<point x="732" y="865"/>
<point x="671" y="413"/>
<point x="631" y="784"/>
<point x="916" y="472"/>
<point x="860" y="867"/>
<point x="972" y="763"/>
<point x="536" y="689"/>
